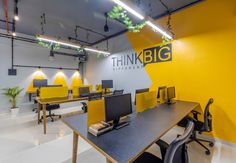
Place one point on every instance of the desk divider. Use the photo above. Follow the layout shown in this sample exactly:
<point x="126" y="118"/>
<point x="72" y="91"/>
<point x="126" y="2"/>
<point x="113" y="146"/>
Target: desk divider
<point x="96" y="111"/>
<point x="146" y="100"/>
<point x="53" y="92"/>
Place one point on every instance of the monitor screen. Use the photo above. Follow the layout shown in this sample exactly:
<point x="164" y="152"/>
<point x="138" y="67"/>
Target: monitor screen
<point x="159" y="90"/>
<point x="117" y="106"/>
<point x="170" y="93"/>
<point x="107" y="84"/>
<point x="84" y="90"/>
<point x="40" y="83"/>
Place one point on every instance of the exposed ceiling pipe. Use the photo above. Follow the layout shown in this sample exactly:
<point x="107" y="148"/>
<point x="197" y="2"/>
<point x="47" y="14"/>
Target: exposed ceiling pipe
<point x="6" y="14"/>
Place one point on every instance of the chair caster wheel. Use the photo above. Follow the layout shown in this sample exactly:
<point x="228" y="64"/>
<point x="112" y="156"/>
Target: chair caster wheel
<point x="52" y="120"/>
<point x="207" y="152"/>
<point x="211" y="144"/>
<point x="60" y="116"/>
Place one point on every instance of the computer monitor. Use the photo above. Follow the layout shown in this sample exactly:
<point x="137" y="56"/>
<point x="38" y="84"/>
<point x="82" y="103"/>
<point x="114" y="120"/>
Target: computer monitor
<point x="37" y="83"/>
<point x="84" y="91"/>
<point x="170" y="94"/>
<point x="107" y="84"/>
<point x="159" y="90"/>
<point x="142" y="90"/>
<point x="58" y="85"/>
<point x="117" y="107"/>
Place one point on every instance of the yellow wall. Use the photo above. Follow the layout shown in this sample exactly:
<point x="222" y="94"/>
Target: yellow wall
<point x="60" y="79"/>
<point x="204" y="59"/>
<point x="76" y="81"/>
<point x="38" y="75"/>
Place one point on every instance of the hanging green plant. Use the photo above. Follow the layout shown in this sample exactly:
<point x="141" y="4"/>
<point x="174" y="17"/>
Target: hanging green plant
<point x="81" y="50"/>
<point x="165" y="41"/>
<point x="49" y="45"/>
<point x="118" y="13"/>
<point x="55" y="46"/>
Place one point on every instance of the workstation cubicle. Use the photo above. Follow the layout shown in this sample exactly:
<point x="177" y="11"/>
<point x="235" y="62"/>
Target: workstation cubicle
<point x="121" y="81"/>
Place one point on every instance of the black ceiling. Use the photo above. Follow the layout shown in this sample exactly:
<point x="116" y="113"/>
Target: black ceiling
<point x="63" y="15"/>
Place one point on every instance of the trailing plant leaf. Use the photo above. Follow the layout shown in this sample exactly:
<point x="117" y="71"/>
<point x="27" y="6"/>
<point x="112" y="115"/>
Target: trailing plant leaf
<point x="118" y="13"/>
<point x="56" y="46"/>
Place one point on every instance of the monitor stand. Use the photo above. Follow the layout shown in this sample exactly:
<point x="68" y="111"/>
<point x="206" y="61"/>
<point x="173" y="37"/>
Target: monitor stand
<point x="171" y="101"/>
<point x="117" y="124"/>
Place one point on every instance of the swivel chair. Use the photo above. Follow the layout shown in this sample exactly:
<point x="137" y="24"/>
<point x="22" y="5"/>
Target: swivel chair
<point x="51" y="115"/>
<point x="201" y="127"/>
<point x="176" y="152"/>
<point x="118" y="92"/>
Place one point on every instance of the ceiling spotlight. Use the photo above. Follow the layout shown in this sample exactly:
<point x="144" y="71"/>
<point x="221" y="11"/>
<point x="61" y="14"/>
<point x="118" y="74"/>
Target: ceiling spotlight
<point x="16" y="16"/>
<point x="51" y="57"/>
<point x="106" y="28"/>
<point x="14" y="34"/>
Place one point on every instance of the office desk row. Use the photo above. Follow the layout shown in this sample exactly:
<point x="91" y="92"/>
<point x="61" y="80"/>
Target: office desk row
<point x="126" y="144"/>
<point x="43" y="102"/>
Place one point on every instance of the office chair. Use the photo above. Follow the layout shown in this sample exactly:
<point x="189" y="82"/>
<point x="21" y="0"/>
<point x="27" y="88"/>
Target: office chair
<point x="50" y="108"/>
<point x="84" y="107"/>
<point x="176" y="152"/>
<point x="118" y="92"/>
<point x="95" y="96"/>
<point x="201" y="127"/>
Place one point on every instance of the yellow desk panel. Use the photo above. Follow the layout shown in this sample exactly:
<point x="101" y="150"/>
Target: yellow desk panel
<point x="146" y="100"/>
<point x="96" y="111"/>
<point x="53" y="92"/>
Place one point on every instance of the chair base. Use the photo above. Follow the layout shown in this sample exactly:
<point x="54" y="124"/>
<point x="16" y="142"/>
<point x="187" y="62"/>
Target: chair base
<point x="50" y="115"/>
<point x="194" y="138"/>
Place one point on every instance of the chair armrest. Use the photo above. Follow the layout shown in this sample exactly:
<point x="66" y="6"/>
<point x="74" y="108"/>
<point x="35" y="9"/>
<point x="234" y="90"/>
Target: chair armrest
<point x="163" y="147"/>
<point x="195" y="114"/>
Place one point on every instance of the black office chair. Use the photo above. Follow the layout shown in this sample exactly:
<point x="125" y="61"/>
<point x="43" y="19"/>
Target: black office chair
<point x="84" y="107"/>
<point x="49" y="109"/>
<point x="201" y="127"/>
<point x="118" y="92"/>
<point x="176" y="151"/>
<point x="95" y="96"/>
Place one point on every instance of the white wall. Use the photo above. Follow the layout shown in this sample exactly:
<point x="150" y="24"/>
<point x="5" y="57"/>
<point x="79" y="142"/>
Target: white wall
<point x="28" y="54"/>
<point x="128" y="79"/>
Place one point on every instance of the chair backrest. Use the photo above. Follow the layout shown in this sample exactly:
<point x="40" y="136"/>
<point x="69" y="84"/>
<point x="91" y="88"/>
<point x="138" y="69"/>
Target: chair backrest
<point x="207" y="116"/>
<point x="177" y="151"/>
<point x="118" y="92"/>
<point x="95" y="96"/>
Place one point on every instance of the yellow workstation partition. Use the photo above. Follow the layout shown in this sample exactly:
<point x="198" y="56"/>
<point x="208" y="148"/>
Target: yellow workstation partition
<point x="53" y="92"/>
<point x="146" y="100"/>
<point x="96" y="111"/>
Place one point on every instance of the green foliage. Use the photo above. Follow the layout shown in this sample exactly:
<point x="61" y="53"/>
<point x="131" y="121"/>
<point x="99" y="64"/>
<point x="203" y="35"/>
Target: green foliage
<point x="12" y="94"/>
<point x="81" y="50"/>
<point x="165" y="41"/>
<point x="119" y="13"/>
<point x="49" y="45"/>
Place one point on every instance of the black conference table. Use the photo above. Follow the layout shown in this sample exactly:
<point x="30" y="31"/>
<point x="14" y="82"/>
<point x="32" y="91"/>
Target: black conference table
<point x="126" y="144"/>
